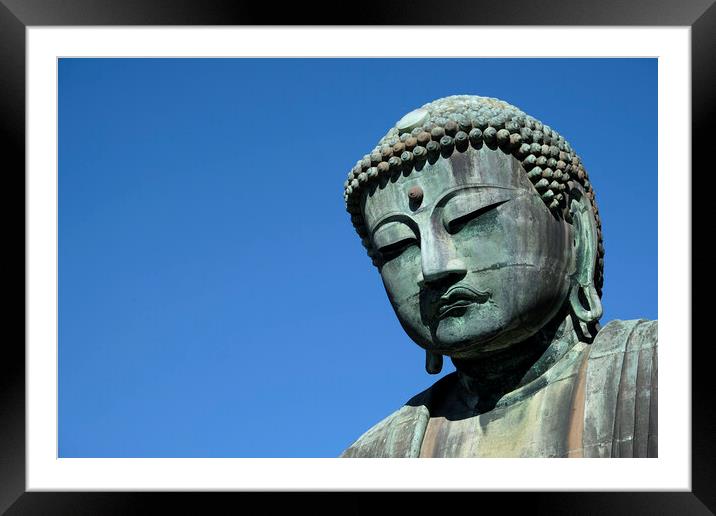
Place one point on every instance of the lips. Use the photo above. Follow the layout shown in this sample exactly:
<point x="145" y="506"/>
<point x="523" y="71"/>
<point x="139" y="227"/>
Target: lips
<point x="458" y="298"/>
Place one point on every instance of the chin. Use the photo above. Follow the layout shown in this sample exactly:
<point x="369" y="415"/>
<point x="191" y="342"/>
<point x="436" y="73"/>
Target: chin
<point x="462" y="343"/>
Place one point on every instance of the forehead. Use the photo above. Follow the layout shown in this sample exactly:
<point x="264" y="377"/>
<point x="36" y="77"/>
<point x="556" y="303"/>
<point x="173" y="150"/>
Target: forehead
<point x="474" y="167"/>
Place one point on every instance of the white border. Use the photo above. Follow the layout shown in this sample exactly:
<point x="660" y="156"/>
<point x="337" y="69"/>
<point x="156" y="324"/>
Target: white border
<point x="670" y="471"/>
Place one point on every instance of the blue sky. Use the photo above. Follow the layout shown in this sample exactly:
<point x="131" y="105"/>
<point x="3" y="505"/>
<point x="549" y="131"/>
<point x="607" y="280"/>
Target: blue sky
<point x="214" y="299"/>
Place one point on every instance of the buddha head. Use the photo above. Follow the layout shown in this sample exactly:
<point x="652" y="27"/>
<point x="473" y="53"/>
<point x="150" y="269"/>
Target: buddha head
<point x="482" y="223"/>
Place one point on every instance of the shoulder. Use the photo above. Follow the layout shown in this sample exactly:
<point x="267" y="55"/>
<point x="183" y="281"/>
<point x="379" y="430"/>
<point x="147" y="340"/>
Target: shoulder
<point x="401" y="433"/>
<point x="623" y="336"/>
<point x="398" y="435"/>
<point x="621" y="391"/>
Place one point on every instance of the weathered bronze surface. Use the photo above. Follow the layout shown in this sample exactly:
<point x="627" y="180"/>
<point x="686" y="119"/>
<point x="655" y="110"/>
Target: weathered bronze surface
<point x="485" y="229"/>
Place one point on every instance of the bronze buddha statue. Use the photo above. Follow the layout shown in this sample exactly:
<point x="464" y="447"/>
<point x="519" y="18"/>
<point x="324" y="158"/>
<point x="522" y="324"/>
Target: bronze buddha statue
<point x="485" y="229"/>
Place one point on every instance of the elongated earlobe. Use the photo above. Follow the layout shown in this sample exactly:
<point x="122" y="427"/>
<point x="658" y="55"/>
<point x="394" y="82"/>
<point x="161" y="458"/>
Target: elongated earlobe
<point x="583" y="297"/>
<point x="585" y="302"/>
<point x="433" y="362"/>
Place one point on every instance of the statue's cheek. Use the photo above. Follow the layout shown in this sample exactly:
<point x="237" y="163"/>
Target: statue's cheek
<point x="401" y="278"/>
<point x="402" y="274"/>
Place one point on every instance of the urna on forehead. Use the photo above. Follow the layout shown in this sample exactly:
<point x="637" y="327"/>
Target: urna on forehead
<point x="435" y="183"/>
<point x="450" y="126"/>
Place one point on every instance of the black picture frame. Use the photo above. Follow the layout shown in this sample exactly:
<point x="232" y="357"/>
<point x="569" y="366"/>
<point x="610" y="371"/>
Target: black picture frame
<point x="17" y="15"/>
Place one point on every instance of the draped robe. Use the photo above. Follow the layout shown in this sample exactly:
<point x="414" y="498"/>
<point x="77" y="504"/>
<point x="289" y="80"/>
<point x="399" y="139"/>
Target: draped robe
<point x="598" y="400"/>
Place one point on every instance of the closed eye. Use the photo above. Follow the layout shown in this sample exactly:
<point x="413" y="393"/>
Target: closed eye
<point x="455" y="225"/>
<point x="393" y="250"/>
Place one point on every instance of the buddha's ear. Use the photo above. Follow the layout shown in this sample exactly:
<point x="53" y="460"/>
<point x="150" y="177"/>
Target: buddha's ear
<point x="433" y="362"/>
<point x="583" y="296"/>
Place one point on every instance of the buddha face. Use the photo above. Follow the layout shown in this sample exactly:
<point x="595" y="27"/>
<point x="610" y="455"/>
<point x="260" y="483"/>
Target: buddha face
<point x="472" y="259"/>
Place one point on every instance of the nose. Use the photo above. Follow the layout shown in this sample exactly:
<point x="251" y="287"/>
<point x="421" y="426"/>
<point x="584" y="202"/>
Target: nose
<point x="439" y="258"/>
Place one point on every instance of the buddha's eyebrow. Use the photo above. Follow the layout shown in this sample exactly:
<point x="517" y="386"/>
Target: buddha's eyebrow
<point x="472" y="187"/>
<point x="393" y="216"/>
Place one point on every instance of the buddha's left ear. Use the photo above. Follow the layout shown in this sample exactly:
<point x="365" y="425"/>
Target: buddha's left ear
<point x="583" y="296"/>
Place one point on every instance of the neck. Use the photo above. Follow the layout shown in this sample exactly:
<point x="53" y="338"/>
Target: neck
<point x="489" y="378"/>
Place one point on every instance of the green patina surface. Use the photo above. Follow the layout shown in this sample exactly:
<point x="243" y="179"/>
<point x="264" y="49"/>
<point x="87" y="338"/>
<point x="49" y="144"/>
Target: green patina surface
<point x="492" y="256"/>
